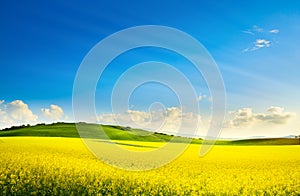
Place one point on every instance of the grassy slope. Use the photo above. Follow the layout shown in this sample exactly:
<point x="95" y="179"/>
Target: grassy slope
<point x="267" y="141"/>
<point x="122" y="133"/>
<point x="54" y="130"/>
<point x="91" y="131"/>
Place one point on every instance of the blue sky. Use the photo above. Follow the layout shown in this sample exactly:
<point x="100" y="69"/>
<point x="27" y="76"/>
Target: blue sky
<point x="255" y="44"/>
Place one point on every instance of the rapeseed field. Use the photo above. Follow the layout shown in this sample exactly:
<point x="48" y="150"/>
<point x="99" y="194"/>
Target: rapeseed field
<point x="64" y="166"/>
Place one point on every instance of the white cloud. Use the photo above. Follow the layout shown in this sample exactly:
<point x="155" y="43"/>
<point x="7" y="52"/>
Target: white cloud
<point x="257" y="33"/>
<point x="19" y="112"/>
<point x="275" y="110"/>
<point x="139" y="116"/>
<point x="107" y="118"/>
<point x="254" y="30"/>
<point x="245" y="117"/>
<point x="201" y="97"/>
<point x="54" y="112"/>
<point x="246" y="50"/>
<point x="248" y="32"/>
<point x="4" y="119"/>
<point x="274" y="31"/>
<point x="172" y="119"/>
<point x="242" y="117"/>
<point x="258" y="44"/>
<point x="16" y="113"/>
<point x="257" y="29"/>
<point x="275" y="115"/>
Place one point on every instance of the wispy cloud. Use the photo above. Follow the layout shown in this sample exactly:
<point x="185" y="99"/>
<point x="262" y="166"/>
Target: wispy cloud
<point x="258" y="29"/>
<point x="248" y="32"/>
<point x="262" y="38"/>
<point x="254" y="30"/>
<point x="201" y="97"/>
<point x="274" y="31"/>
<point x="258" y="44"/>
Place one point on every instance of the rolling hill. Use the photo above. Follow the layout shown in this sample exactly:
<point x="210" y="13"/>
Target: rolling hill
<point x="267" y="141"/>
<point x="91" y="131"/>
<point x="125" y="133"/>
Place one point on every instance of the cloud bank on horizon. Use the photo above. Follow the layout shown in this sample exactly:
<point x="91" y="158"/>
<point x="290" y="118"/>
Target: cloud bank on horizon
<point x="246" y="117"/>
<point x="171" y="120"/>
<point x="18" y="113"/>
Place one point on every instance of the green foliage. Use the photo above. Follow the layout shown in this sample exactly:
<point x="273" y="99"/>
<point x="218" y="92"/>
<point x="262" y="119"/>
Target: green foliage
<point x="267" y="141"/>
<point x="115" y="132"/>
<point x="42" y="130"/>
<point x="89" y="131"/>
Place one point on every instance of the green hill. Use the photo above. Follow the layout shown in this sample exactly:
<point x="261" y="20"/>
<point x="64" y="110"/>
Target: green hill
<point x="42" y="130"/>
<point x="267" y="141"/>
<point x="124" y="133"/>
<point x="90" y="131"/>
